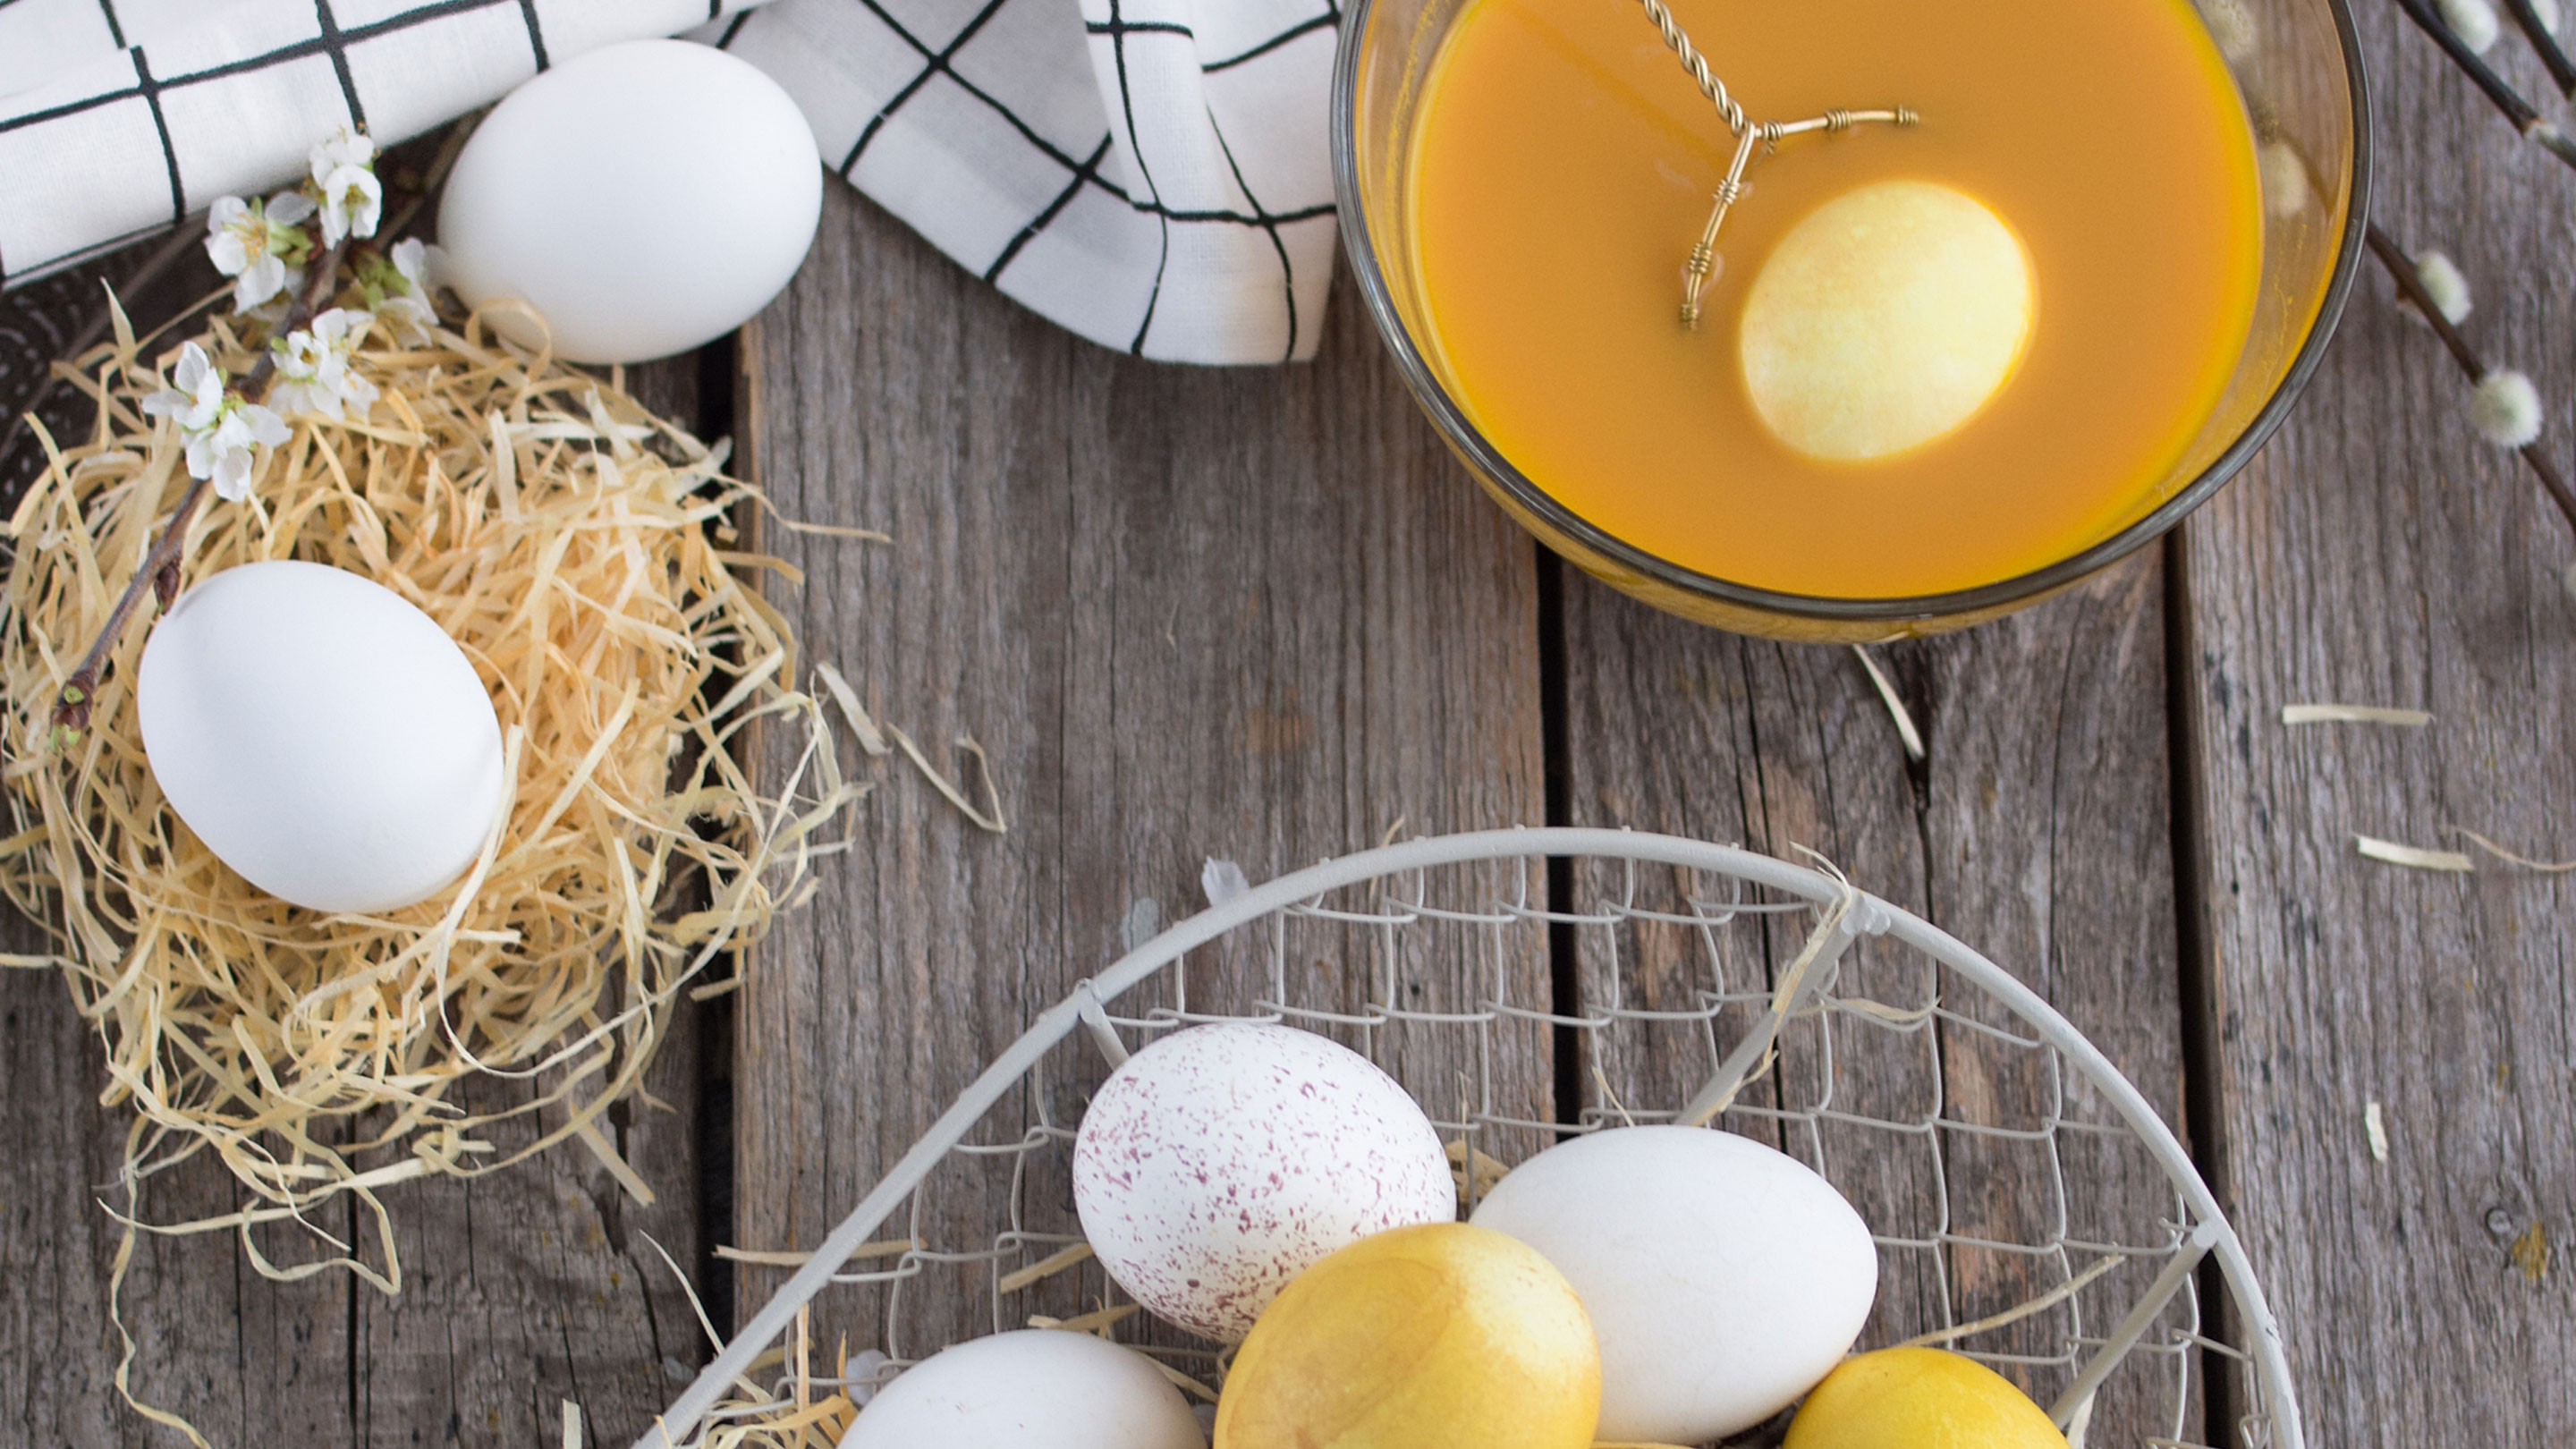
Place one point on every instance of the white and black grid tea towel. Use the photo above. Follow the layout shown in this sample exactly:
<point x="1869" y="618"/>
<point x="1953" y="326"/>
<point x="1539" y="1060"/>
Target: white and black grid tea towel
<point x="121" y="117"/>
<point x="1151" y="174"/>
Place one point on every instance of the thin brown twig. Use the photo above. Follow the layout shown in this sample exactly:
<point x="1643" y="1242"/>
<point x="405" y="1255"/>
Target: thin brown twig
<point x="400" y="210"/>
<point x="416" y="189"/>
<point x="2525" y="117"/>
<point x="160" y="570"/>
<point x="2401" y="270"/>
<point x="2552" y="55"/>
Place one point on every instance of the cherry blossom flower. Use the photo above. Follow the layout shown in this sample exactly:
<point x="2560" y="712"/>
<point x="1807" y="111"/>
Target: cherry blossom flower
<point x="221" y="429"/>
<point x="344" y="173"/>
<point x="199" y="396"/>
<point x="261" y="246"/>
<point x="314" y="372"/>
<point x="396" y="285"/>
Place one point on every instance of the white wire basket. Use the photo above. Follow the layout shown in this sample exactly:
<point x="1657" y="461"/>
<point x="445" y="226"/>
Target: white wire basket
<point x="2030" y="1207"/>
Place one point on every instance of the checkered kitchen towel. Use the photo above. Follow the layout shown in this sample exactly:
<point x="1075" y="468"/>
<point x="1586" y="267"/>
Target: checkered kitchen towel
<point x="1149" y="173"/>
<point x="1152" y="174"/>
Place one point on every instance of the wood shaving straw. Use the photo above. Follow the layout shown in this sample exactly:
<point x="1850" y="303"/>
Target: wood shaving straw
<point x="2412" y="856"/>
<point x="806" y="1411"/>
<point x="2545" y="867"/>
<point x="2302" y="714"/>
<point x="1906" y="733"/>
<point x="577" y="547"/>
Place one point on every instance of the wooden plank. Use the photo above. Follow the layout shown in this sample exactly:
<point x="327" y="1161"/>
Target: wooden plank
<point x="522" y="1289"/>
<point x="2035" y="831"/>
<point x="2379" y="553"/>
<point x="1252" y="614"/>
<point x="56" y="1353"/>
<point x="246" y="1360"/>
<point x="537" y="1285"/>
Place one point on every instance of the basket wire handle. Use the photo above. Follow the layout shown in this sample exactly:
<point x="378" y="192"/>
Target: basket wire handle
<point x="1843" y="915"/>
<point x="1836" y="929"/>
<point x="1104" y="1032"/>
<point x="845" y="1240"/>
<point x="2177" y="1271"/>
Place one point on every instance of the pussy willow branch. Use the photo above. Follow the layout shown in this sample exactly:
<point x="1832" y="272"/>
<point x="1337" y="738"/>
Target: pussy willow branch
<point x="2401" y="270"/>
<point x="160" y="570"/>
<point x="2552" y="56"/>
<point x="2525" y="118"/>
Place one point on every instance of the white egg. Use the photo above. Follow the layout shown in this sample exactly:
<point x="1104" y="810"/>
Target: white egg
<point x="322" y="736"/>
<point x="647" y="198"/>
<point x="1038" y="1388"/>
<point x="1222" y="1161"/>
<point x="1723" y="1278"/>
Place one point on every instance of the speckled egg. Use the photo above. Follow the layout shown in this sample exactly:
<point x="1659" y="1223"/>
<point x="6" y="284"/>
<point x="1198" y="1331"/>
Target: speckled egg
<point x="1222" y="1161"/>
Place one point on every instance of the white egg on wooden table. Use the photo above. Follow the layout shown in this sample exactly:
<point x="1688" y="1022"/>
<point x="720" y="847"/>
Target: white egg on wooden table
<point x="1724" y="1278"/>
<point x="646" y="198"/>
<point x="1036" y="1388"/>
<point x="1222" y="1161"/>
<point x="321" y="735"/>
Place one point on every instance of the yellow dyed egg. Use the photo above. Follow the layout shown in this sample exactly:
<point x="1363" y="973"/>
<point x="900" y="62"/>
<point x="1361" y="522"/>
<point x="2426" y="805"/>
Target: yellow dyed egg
<point x="1919" y="1398"/>
<point x="1444" y="1336"/>
<point x="1886" y="319"/>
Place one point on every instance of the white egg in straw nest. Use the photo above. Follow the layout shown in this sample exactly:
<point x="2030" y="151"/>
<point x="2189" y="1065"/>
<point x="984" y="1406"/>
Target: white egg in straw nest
<point x="582" y="553"/>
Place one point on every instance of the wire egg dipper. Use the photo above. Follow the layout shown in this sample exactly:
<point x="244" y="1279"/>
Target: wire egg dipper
<point x="1768" y="134"/>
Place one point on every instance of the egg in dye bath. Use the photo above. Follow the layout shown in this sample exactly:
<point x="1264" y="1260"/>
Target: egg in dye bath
<point x="1220" y="1162"/>
<point x="324" y="737"/>
<point x="1561" y="164"/>
<point x="646" y="198"/>
<point x="1723" y="1277"/>
<point x="1886" y="319"/>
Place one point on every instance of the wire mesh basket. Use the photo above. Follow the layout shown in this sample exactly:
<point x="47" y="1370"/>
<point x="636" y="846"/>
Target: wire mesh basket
<point x="2030" y="1207"/>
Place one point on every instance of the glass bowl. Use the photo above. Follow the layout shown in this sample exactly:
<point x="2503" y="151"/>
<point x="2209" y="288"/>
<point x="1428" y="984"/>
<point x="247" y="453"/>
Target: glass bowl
<point x="2298" y="65"/>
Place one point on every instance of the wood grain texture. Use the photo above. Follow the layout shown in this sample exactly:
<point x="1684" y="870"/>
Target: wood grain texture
<point x="2379" y="553"/>
<point x="1253" y="614"/>
<point x="537" y="1285"/>
<point x="2036" y="831"/>
<point x="56" y="316"/>
<point x="522" y="1289"/>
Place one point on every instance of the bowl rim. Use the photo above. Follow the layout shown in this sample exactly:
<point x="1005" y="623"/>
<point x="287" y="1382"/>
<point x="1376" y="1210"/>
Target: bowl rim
<point x="1470" y="442"/>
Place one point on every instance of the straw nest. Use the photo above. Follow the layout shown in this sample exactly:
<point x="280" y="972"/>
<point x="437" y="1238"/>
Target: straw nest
<point x="582" y="552"/>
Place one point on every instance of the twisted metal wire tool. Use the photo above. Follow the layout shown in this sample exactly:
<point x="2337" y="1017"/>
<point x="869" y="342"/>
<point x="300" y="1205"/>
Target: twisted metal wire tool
<point x="1768" y="134"/>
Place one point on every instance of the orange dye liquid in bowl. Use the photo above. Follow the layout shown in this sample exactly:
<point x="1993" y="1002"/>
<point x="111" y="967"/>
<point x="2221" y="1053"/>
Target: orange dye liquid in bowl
<point x="1563" y="164"/>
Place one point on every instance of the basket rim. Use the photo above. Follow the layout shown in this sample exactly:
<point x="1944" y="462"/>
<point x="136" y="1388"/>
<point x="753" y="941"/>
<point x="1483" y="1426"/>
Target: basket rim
<point x="1871" y="915"/>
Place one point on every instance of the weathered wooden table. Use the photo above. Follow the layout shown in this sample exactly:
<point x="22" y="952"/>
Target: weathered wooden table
<point x="1262" y="615"/>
